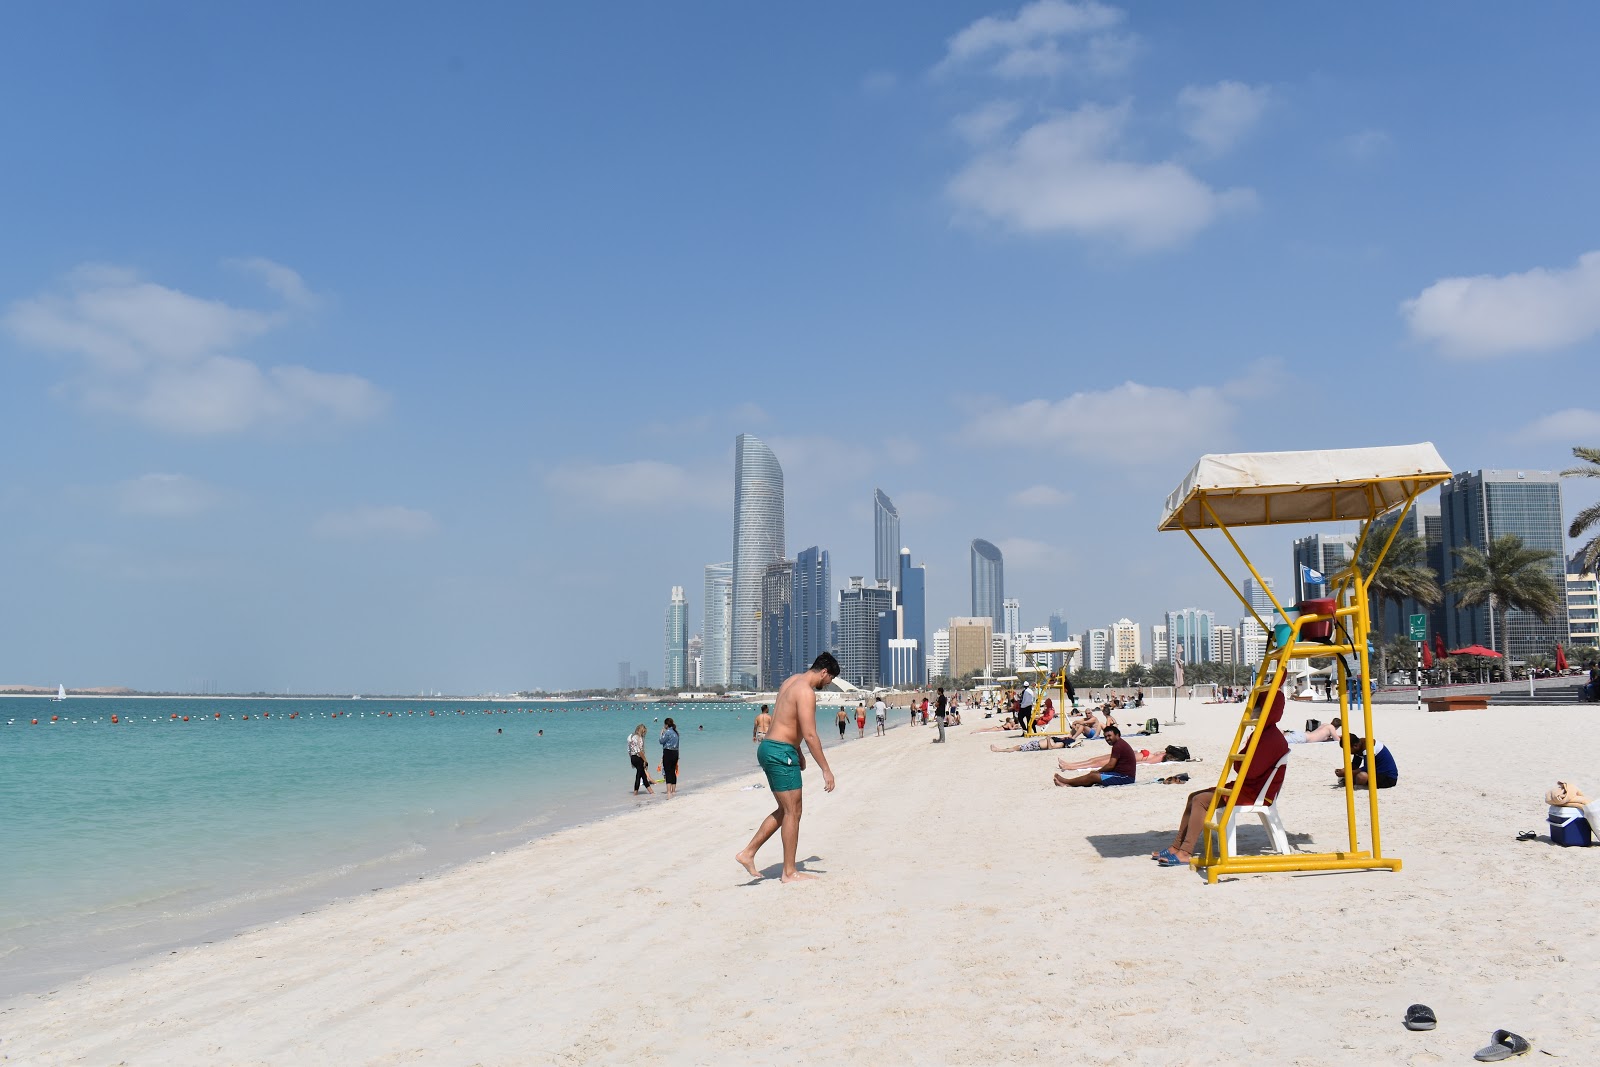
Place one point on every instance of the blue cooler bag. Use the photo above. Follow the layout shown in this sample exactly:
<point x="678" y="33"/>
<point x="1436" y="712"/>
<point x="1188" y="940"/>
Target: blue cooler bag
<point x="1568" y="826"/>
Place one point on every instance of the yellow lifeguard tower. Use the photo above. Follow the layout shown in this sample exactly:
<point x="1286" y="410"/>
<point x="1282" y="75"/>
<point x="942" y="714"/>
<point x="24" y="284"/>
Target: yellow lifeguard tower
<point x="1225" y="492"/>
<point x="1049" y="681"/>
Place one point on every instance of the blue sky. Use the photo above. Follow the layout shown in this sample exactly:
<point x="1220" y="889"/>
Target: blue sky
<point x="386" y="348"/>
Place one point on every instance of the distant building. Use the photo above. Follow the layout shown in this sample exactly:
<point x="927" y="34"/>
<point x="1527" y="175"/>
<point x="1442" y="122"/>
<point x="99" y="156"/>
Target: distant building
<point x="811" y="631"/>
<point x="902" y="659"/>
<point x="1192" y="630"/>
<point x="1039" y="635"/>
<point x="1075" y="664"/>
<point x="714" y="663"/>
<point x="777" y="642"/>
<point x="913" y="590"/>
<point x="1327" y="554"/>
<point x="939" y="657"/>
<point x="1226" y="643"/>
<point x="1583" y="604"/>
<point x="624" y="675"/>
<point x="1478" y="507"/>
<point x="1098" y="652"/>
<point x="677" y="638"/>
<point x="885" y="539"/>
<point x="860" y="606"/>
<point x="1000" y="654"/>
<point x="1259" y="595"/>
<point x="1159" y="652"/>
<point x="1252" y="641"/>
<point x="970" y="638"/>
<point x="1425" y="522"/>
<point x="1125" y="654"/>
<point x="988" y="583"/>
<point x="696" y="654"/>
<point x="758" y="540"/>
<point x="642" y="679"/>
<point x="1013" y="613"/>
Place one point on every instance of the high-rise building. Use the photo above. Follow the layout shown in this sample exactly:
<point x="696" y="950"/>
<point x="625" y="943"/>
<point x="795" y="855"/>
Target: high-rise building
<point x="696" y="654"/>
<point x="811" y="632"/>
<point x="1191" y="630"/>
<point x="1098" y="653"/>
<point x="777" y="618"/>
<point x="1226" y="641"/>
<point x="1058" y="632"/>
<point x="1125" y="645"/>
<point x="624" y="675"/>
<point x="860" y="606"/>
<point x="1260" y="597"/>
<point x="885" y="539"/>
<point x="642" y="679"/>
<point x="1013" y="615"/>
<point x="970" y="640"/>
<point x="1000" y="654"/>
<point x="988" y="583"/>
<point x="757" y="541"/>
<point x="1039" y="635"/>
<point x="901" y="658"/>
<point x="1478" y="507"/>
<point x="1326" y="553"/>
<point x="1583" y="604"/>
<point x="677" y="658"/>
<point x="1252" y="641"/>
<point x="1159" y="652"/>
<point x="939" y="657"/>
<point x="1426" y="522"/>
<point x="913" y="585"/>
<point x="1077" y="662"/>
<point x="714" y="662"/>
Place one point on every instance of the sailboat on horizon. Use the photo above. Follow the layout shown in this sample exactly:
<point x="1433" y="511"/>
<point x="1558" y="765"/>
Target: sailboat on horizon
<point x="61" y="692"/>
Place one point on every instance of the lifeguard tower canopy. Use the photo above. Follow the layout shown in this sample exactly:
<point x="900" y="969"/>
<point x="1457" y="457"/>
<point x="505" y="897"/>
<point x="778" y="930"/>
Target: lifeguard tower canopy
<point x="1049" y="647"/>
<point x="1275" y="488"/>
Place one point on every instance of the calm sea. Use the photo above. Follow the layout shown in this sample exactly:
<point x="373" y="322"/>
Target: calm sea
<point x="124" y="839"/>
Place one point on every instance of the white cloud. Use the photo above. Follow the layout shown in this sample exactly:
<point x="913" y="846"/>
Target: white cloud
<point x="1571" y="426"/>
<point x="372" y="523"/>
<point x="1484" y="316"/>
<point x="1219" y="116"/>
<point x="1037" y="41"/>
<point x="165" y="496"/>
<point x="166" y="357"/>
<point x="1061" y="175"/>
<point x="1041" y="496"/>
<point x="1130" y="424"/>
<point x="640" y="484"/>
<point x="983" y="125"/>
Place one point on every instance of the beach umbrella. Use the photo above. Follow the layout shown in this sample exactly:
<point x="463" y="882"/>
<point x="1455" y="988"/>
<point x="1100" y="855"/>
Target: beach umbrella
<point x="1438" y="646"/>
<point x="1561" y="659"/>
<point x="1474" y="650"/>
<point x="1427" y="657"/>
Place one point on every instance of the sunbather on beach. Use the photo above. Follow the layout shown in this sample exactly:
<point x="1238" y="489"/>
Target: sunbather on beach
<point x="1269" y="750"/>
<point x="1041" y="743"/>
<point x="1143" y="755"/>
<point x="1116" y="768"/>
<point x="1328" y="731"/>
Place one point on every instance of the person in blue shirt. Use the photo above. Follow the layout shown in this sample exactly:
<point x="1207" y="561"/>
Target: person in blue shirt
<point x="669" y="755"/>
<point x="1384" y="768"/>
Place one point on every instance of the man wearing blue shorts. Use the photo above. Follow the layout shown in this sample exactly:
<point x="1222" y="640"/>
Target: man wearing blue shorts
<point x="1118" y="769"/>
<point x="794" y="719"/>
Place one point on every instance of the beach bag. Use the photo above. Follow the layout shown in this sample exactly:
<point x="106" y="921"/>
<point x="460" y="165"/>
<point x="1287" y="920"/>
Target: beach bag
<point x="1312" y="724"/>
<point x="1152" y="726"/>
<point x="1566" y="795"/>
<point x="1177" y="754"/>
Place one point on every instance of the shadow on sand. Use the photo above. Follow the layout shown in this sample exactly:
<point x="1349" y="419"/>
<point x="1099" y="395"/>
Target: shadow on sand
<point x="775" y="871"/>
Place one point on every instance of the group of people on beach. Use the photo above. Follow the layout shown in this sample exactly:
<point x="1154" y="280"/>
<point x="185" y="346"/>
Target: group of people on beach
<point x="670" y="742"/>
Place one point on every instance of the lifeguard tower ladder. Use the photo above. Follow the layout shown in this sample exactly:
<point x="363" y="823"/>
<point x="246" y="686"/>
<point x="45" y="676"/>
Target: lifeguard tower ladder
<point x="1225" y="492"/>
<point x="1055" y="681"/>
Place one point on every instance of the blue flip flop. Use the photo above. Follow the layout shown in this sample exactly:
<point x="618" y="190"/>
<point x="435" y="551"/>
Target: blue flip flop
<point x="1168" y="858"/>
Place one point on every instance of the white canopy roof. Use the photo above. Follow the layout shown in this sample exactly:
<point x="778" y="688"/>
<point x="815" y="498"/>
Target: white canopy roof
<point x="1272" y="488"/>
<point x="1050" y="646"/>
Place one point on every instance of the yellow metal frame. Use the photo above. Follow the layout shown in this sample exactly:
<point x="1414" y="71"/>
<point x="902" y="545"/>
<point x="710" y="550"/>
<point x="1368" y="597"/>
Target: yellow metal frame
<point x="1056" y="682"/>
<point x="1350" y="595"/>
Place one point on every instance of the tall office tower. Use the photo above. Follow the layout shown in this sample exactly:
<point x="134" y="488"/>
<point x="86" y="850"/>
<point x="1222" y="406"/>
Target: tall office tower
<point x="1260" y="597"/>
<point x="1058" y="632"/>
<point x="757" y="541"/>
<point x="1013" y="613"/>
<point x="1125" y="644"/>
<point x="718" y="636"/>
<point x="677" y="658"/>
<point x="1000" y="654"/>
<point x="692" y="669"/>
<point x="902" y="657"/>
<point x="624" y="675"/>
<point x="970" y="640"/>
<point x="1159" y="652"/>
<point x="1226" y="642"/>
<point x="914" y="611"/>
<point x="988" y="582"/>
<point x="777" y="637"/>
<point x="642" y="679"/>
<point x="885" y="538"/>
<point x="1478" y="507"/>
<point x="1583" y="604"/>
<point x="1097" y="648"/>
<point x="859" y="608"/>
<point x="1327" y="553"/>
<point x="1077" y="661"/>
<point x="1020" y="643"/>
<point x="1191" y="630"/>
<point x="939" y="657"/>
<point x="811" y="631"/>
<point x="1424" y="521"/>
<point x="1252" y="641"/>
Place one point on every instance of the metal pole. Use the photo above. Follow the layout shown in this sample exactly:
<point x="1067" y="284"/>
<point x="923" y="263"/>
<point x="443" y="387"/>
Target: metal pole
<point x="1419" y="677"/>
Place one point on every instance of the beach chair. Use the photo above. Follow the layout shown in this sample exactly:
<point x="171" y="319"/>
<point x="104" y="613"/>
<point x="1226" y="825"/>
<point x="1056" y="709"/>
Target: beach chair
<point x="1264" y="807"/>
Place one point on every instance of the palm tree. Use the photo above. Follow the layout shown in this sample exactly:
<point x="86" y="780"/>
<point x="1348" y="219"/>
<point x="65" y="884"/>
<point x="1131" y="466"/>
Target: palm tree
<point x="1589" y="517"/>
<point x="1405" y="573"/>
<point x="1509" y="575"/>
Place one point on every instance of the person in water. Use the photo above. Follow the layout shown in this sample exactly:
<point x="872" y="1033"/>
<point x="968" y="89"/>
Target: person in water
<point x="763" y="723"/>
<point x="793" y="721"/>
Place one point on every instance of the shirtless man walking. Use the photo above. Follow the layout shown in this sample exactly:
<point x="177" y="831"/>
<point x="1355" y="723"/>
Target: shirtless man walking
<point x="794" y="720"/>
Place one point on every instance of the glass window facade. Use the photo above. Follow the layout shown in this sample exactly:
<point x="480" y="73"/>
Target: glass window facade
<point x="758" y="540"/>
<point x="988" y="583"/>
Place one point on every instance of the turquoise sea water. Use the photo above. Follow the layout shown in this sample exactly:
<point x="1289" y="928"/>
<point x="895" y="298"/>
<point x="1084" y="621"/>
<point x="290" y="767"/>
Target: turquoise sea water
<point x="122" y="840"/>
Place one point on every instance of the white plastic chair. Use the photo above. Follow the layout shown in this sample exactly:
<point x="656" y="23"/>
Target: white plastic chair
<point x="1264" y="807"/>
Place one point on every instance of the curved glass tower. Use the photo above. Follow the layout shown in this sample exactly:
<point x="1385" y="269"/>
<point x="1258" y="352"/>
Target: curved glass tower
<point x="885" y="539"/>
<point x="988" y="583"/>
<point x="757" y="541"/>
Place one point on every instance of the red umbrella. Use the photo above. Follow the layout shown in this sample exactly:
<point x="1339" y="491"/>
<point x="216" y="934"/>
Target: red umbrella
<point x="1561" y="659"/>
<point x="1427" y="657"/>
<point x="1438" y="646"/>
<point x="1474" y="650"/>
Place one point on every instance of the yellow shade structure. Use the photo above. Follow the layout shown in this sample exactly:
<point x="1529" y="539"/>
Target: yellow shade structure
<point x="1224" y="492"/>
<point x="1058" y="680"/>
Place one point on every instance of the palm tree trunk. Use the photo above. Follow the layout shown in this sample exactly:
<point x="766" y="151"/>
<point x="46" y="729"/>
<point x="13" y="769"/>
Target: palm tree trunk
<point x="1505" y="641"/>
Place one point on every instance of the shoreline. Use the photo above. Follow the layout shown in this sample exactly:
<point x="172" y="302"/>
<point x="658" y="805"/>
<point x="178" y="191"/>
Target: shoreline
<point x="966" y="911"/>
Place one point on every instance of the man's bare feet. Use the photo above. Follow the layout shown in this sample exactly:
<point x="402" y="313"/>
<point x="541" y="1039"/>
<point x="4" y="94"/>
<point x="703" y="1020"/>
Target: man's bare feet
<point x="1062" y="779"/>
<point x="799" y="876"/>
<point x="748" y="862"/>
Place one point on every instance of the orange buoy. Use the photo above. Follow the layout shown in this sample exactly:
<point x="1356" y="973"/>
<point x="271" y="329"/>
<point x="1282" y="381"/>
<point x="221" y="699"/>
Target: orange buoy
<point x="174" y="715"/>
<point x="266" y="714"/>
<point x="55" y="718"/>
<point x="218" y="715"/>
<point x="36" y="722"/>
<point x="113" y="720"/>
<point x="186" y="718"/>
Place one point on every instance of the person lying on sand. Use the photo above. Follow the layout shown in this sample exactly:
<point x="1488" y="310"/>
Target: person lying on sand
<point x="1328" y="731"/>
<point x="1171" y="754"/>
<point x="1042" y="743"/>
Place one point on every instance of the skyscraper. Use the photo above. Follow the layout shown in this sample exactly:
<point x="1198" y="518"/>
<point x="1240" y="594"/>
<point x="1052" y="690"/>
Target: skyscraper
<point x="1478" y="507"/>
<point x="1159" y="652"/>
<point x="970" y="639"/>
<point x="1125" y="650"/>
<point x="1260" y="597"/>
<point x="697" y="647"/>
<point x="757" y="541"/>
<point x="1424" y="522"/>
<point x="811" y="603"/>
<point x="777" y="644"/>
<point x="885" y="539"/>
<point x="1326" y="553"/>
<point x="1192" y="630"/>
<point x="714" y="656"/>
<point x="859" y="609"/>
<point x="914" y="612"/>
<point x="677" y="658"/>
<point x="988" y="582"/>
<point x="1013" y="613"/>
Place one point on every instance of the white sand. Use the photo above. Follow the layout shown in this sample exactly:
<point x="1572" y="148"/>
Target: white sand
<point x="968" y="912"/>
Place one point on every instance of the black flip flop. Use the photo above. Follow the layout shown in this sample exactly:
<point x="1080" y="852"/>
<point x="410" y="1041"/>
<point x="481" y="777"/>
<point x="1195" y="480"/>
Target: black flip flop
<point x="1420" y="1017"/>
<point x="1528" y="835"/>
<point x="1503" y="1045"/>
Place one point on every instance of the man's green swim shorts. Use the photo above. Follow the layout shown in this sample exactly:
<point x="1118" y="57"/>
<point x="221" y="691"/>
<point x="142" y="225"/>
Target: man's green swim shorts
<point x="781" y="761"/>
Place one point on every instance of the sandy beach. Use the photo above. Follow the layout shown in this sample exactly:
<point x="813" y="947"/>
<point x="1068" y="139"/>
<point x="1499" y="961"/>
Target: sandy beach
<point x="966" y="911"/>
